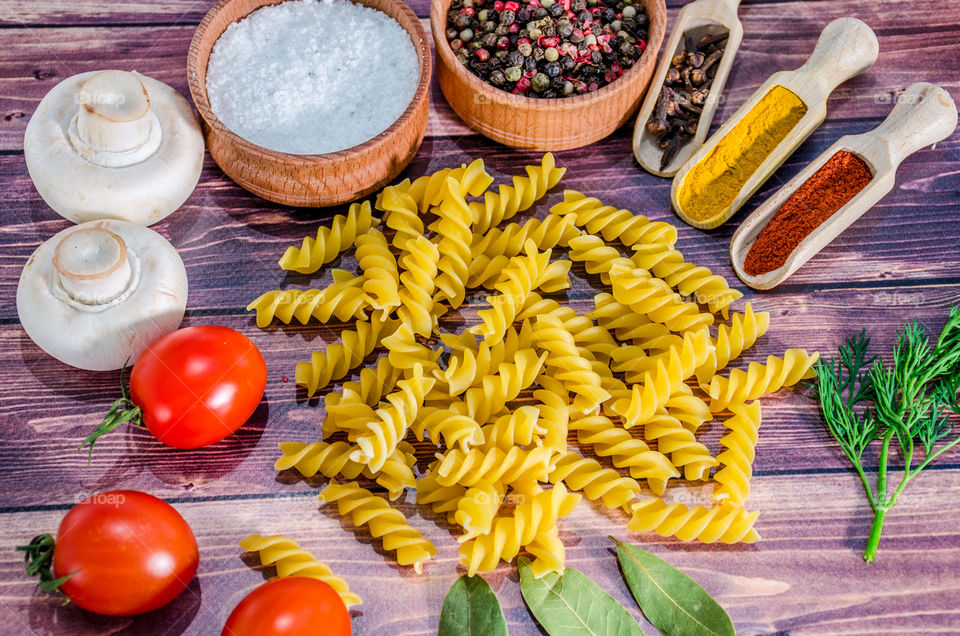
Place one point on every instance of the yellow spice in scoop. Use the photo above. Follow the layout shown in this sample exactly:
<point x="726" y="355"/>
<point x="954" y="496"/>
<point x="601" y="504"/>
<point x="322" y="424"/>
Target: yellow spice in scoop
<point x="714" y="182"/>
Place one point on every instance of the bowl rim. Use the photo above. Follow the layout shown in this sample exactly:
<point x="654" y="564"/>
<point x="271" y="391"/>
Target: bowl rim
<point x="557" y="103"/>
<point x="202" y="101"/>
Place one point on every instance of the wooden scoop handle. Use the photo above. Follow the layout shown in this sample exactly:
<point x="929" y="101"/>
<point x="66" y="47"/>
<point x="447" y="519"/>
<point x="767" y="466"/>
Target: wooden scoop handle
<point x="846" y="48"/>
<point x="924" y="115"/>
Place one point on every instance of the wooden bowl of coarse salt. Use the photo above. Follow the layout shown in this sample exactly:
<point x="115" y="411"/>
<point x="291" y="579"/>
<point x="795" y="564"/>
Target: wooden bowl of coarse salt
<point x="311" y="103"/>
<point x="542" y="124"/>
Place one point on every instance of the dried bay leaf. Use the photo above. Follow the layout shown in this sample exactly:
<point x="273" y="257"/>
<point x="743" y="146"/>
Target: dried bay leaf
<point x="572" y="604"/>
<point x="670" y="599"/>
<point x="471" y="609"/>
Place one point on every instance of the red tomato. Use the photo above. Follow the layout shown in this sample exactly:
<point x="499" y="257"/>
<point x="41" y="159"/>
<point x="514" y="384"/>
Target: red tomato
<point x="294" y="606"/>
<point x="197" y="385"/>
<point x="131" y="552"/>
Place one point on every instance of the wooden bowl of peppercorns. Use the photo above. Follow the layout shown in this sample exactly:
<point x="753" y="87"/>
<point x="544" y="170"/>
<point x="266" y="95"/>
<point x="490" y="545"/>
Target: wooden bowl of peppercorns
<point x="546" y="74"/>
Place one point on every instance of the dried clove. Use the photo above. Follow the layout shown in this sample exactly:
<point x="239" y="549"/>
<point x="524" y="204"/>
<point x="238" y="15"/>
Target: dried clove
<point x="685" y="89"/>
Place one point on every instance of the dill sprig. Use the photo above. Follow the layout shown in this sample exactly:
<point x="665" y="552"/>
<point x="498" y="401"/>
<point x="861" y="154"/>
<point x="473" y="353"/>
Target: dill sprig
<point x="905" y="404"/>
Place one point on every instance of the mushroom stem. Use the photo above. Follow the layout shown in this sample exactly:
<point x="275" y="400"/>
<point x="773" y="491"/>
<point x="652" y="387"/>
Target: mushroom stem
<point x="93" y="266"/>
<point x="114" y="126"/>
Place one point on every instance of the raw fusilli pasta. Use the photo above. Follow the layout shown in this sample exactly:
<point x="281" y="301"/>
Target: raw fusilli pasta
<point x="596" y="256"/>
<point x="725" y="522"/>
<point x="654" y="298"/>
<point x="292" y="560"/>
<point x="686" y="452"/>
<point x="453" y="228"/>
<point x="343" y="299"/>
<point x="381" y="278"/>
<point x="626" y="451"/>
<point x="665" y="262"/>
<point x="453" y="428"/>
<point x="508" y="200"/>
<point x="613" y="224"/>
<point x="525" y="273"/>
<point x="416" y="286"/>
<point x="330" y="241"/>
<point x="565" y="362"/>
<point x="338" y="359"/>
<point x="593" y="480"/>
<point x="385" y="522"/>
<point x="521" y="427"/>
<point x="505" y="467"/>
<point x="477" y="509"/>
<point x="733" y="340"/>
<point x="496" y="389"/>
<point x="736" y="460"/>
<point x="759" y="379"/>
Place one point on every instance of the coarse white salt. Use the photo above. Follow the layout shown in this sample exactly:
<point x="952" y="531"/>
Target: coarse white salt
<point x="309" y="76"/>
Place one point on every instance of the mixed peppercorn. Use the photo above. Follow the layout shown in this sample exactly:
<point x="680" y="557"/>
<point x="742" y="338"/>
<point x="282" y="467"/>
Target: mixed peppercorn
<point x="547" y="48"/>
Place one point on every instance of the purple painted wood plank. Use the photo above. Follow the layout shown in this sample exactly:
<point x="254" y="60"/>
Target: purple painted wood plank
<point x="804" y="576"/>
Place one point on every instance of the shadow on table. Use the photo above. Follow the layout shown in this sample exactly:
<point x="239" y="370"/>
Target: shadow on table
<point x="48" y="615"/>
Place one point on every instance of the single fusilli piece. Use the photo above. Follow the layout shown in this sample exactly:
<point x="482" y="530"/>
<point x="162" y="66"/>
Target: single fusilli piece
<point x="331" y="460"/>
<point x="690" y="280"/>
<point x="381" y="277"/>
<point x="453" y="428"/>
<point x="394" y="419"/>
<point x="477" y="509"/>
<point x="613" y="224"/>
<point x="292" y="560"/>
<point x="492" y="251"/>
<point x="505" y="467"/>
<point x="384" y="521"/>
<point x="549" y="553"/>
<point x="453" y="229"/>
<point x="344" y="299"/>
<point x="586" y="334"/>
<point x="732" y="340"/>
<point x="508" y="200"/>
<point x="425" y="191"/>
<point x="402" y="215"/>
<point x="686" y="452"/>
<point x="553" y="404"/>
<point x="652" y="297"/>
<point x="338" y="359"/>
<point x="627" y="325"/>
<point x="534" y="516"/>
<point x="724" y="522"/>
<point x="593" y="480"/>
<point x="736" y="460"/>
<point x="467" y="367"/>
<point x="566" y="363"/>
<point x="404" y="352"/>
<point x="330" y="241"/>
<point x="443" y="500"/>
<point x="596" y="256"/>
<point x="496" y="389"/>
<point x="520" y="427"/>
<point x="416" y="286"/>
<point x="669" y="373"/>
<point x="609" y="440"/>
<point x="528" y="272"/>
<point x="759" y="379"/>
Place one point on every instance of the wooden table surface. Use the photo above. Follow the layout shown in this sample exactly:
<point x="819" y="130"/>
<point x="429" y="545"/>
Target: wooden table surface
<point x="899" y="261"/>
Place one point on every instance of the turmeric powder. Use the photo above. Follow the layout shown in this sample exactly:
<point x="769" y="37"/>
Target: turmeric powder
<point x="711" y="186"/>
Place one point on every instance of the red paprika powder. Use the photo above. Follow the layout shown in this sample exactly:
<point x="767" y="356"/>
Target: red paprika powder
<point x="828" y="190"/>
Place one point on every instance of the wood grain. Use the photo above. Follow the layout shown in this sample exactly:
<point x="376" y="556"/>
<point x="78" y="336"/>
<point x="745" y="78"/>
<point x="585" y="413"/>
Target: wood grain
<point x="805" y="577"/>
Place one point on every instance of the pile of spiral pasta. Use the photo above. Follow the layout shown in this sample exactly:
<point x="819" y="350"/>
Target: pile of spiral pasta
<point x="617" y="380"/>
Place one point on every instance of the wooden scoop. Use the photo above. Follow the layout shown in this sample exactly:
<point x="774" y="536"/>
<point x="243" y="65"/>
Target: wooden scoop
<point x="924" y="115"/>
<point x="703" y="17"/>
<point x="846" y="48"/>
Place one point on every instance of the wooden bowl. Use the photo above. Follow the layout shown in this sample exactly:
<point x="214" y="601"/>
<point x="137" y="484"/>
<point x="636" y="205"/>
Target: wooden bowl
<point x="309" y="180"/>
<point x="545" y="124"/>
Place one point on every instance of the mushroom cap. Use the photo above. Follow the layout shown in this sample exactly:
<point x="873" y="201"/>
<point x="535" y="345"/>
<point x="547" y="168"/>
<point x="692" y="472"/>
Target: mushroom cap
<point x="102" y="337"/>
<point x="142" y="193"/>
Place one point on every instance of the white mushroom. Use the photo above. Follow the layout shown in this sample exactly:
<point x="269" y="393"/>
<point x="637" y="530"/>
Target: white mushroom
<point x="99" y="293"/>
<point x="114" y="145"/>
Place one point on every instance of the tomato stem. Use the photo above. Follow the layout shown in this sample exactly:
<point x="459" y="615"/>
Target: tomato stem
<point x="123" y="410"/>
<point x="39" y="559"/>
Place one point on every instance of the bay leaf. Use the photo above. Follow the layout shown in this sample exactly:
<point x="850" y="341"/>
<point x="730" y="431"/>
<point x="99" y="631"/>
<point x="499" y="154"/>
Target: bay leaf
<point x="471" y="609"/>
<point x="670" y="599"/>
<point x="572" y="604"/>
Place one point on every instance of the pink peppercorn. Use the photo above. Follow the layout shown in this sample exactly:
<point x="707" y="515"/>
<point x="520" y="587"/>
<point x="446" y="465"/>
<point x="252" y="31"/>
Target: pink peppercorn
<point x="503" y="43"/>
<point x="642" y="45"/>
<point x="513" y="28"/>
<point x="467" y="11"/>
<point x="498" y="5"/>
<point x="523" y="84"/>
<point x="511" y="6"/>
<point x="483" y="54"/>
